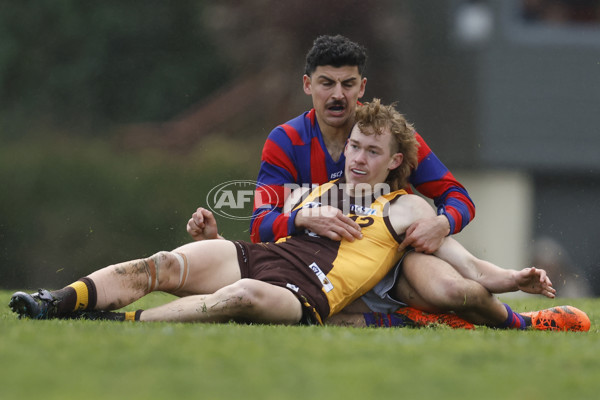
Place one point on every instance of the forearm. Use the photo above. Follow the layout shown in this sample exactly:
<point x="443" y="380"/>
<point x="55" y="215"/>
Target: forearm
<point x="457" y="207"/>
<point x="271" y="225"/>
<point x="492" y="277"/>
<point x="269" y="221"/>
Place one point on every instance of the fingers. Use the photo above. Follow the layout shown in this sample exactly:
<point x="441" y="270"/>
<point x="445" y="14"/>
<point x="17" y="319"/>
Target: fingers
<point x="207" y="216"/>
<point x="347" y="228"/>
<point x="408" y="239"/>
<point x="329" y="222"/>
<point x="536" y="281"/>
<point x="202" y="217"/>
<point x="550" y="292"/>
<point x="420" y="245"/>
<point x="343" y="230"/>
<point x="198" y="218"/>
<point x="543" y="276"/>
<point x="199" y="221"/>
<point x="421" y="239"/>
<point x="192" y="228"/>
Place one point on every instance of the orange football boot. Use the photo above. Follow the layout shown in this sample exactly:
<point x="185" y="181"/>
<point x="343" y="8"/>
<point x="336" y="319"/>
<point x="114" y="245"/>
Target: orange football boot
<point x="561" y="318"/>
<point x="418" y="318"/>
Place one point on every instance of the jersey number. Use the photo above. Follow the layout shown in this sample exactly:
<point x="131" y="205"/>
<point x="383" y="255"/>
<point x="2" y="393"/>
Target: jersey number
<point x="362" y="221"/>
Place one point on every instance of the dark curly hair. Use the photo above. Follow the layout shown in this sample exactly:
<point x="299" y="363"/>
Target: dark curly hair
<point x="337" y="51"/>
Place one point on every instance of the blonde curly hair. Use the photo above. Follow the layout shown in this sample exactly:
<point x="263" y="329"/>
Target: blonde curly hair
<point x="373" y="118"/>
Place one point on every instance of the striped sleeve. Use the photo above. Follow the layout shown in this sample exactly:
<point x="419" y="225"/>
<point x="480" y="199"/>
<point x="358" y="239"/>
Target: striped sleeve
<point x="432" y="179"/>
<point x="277" y="168"/>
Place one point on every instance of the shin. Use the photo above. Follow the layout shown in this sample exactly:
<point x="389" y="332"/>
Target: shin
<point x="121" y="284"/>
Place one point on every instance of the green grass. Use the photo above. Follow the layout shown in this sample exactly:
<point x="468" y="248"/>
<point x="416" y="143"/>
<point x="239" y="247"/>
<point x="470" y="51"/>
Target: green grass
<point x="108" y="360"/>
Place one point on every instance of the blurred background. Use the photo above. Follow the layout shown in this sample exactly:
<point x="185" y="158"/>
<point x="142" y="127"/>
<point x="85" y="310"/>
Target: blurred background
<point x="117" y="117"/>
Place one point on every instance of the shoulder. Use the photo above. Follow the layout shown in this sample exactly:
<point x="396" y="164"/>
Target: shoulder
<point x="406" y="209"/>
<point x="298" y="130"/>
<point x="412" y="202"/>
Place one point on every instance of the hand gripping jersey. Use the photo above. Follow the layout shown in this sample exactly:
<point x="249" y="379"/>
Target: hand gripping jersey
<point x="294" y="153"/>
<point x="342" y="271"/>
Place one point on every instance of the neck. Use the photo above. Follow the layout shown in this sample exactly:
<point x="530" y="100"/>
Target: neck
<point x="335" y="139"/>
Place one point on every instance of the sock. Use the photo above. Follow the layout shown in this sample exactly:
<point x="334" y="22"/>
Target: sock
<point x="514" y="320"/>
<point x="133" y="315"/>
<point x="121" y="316"/>
<point x="375" y="319"/>
<point x="110" y="315"/>
<point x="80" y="295"/>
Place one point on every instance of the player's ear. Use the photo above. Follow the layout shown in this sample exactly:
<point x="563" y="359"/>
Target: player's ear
<point x="363" y="87"/>
<point x="396" y="161"/>
<point x="306" y="84"/>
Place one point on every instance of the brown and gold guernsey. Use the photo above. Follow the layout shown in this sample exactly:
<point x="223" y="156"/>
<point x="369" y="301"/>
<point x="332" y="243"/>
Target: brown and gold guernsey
<point x="345" y="270"/>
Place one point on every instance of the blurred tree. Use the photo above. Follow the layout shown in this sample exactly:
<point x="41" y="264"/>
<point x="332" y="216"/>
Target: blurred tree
<point x="70" y="62"/>
<point x="266" y="42"/>
<point x="169" y="73"/>
<point x="92" y="64"/>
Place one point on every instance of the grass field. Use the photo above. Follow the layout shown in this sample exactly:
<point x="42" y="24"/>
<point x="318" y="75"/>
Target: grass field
<point x="111" y="360"/>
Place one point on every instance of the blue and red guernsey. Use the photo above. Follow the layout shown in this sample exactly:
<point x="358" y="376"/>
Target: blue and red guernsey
<point x="294" y="153"/>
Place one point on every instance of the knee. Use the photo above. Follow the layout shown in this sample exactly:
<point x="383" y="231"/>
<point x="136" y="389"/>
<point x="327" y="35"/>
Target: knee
<point x="464" y="294"/>
<point x="165" y="268"/>
<point x="243" y="298"/>
<point x="454" y="290"/>
<point x="437" y="283"/>
<point x="447" y="293"/>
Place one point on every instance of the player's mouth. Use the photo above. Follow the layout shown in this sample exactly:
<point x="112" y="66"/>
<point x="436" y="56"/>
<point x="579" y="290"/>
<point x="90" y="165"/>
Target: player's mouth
<point x="358" y="171"/>
<point x="337" y="107"/>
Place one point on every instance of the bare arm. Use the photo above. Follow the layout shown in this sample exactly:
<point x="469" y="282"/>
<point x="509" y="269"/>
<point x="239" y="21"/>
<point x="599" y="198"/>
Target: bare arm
<point x="493" y="277"/>
<point x="410" y="208"/>
<point x="406" y="211"/>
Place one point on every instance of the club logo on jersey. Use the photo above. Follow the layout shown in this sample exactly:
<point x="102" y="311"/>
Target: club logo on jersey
<point x="336" y="175"/>
<point x="312" y="204"/>
<point x="293" y="287"/>
<point x="362" y="210"/>
<point x="327" y="285"/>
<point x="233" y="199"/>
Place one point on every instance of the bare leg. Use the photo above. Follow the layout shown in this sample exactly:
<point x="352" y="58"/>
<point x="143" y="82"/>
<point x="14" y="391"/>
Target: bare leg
<point x="207" y="272"/>
<point x="430" y="284"/>
<point x="211" y="265"/>
<point x="351" y="315"/>
<point x="247" y="300"/>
